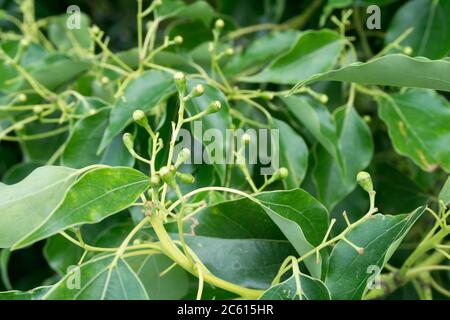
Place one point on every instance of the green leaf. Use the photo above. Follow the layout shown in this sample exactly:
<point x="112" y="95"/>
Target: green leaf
<point x="25" y="205"/>
<point x="34" y="294"/>
<point x="199" y="10"/>
<point x="96" y="195"/>
<point x="173" y="285"/>
<point x="392" y="70"/>
<point x="319" y="122"/>
<point x="429" y="19"/>
<point x="61" y="254"/>
<point x="314" y="52"/>
<point x="5" y="256"/>
<point x="260" y="52"/>
<point x="311" y="289"/>
<point x="81" y="148"/>
<point x="418" y="122"/>
<point x="444" y="195"/>
<point x="380" y="236"/>
<point x="293" y="154"/>
<point x="214" y="123"/>
<point x="65" y="38"/>
<point x="356" y="147"/>
<point x="99" y="279"/>
<point x="145" y="93"/>
<point x="302" y="219"/>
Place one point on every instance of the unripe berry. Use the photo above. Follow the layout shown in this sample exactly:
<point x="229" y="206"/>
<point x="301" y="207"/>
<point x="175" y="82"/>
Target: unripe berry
<point x="37" y="109"/>
<point x="229" y="52"/>
<point x="281" y="174"/>
<point x="182" y="157"/>
<point x="22" y="97"/>
<point x="407" y="50"/>
<point x="167" y="174"/>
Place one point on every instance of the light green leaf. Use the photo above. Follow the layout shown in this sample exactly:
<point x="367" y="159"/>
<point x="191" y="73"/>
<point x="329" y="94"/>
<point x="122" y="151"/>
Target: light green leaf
<point x="25" y="205"/>
<point x="218" y="122"/>
<point x="318" y="120"/>
<point x="95" y="196"/>
<point x="60" y="253"/>
<point x="311" y="289"/>
<point x="444" y="195"/>
<point x="418" y="122"/>
<point x="260" y="52"/>
<point x="145" y="93"/>
<point x="430" y="36"/>
<point x="293" y="154"/>
<point x="34" y="294"/>
<point x="314" y="52"/>
<point x="99" y="280"/>
<point x="199" y="10"/>
<point x="392" y="70"/>
<point x="81" y="148"/>
<point x="356" y="147"/>
<point x="65" y="38"/>
<point x="5" y="256"/>
<point x="379" y="236"/>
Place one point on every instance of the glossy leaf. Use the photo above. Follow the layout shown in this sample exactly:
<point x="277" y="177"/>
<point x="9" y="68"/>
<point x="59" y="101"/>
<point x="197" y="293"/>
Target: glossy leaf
<point x="95" y="196"/>
<point x="356" y="147"/>
<point x="392" y="70"/>
<point x="61" y="254"/>
<point x="311" y="289"/>
<point x="419" y="126"/>
<point x="260" y="52"/>
<point x="293" y="154"/>
<point x="25" y="205"/>
<point x="430" y="24"/>
<point x="145" y="93"/>
<point x="99" y="279"/>
<point x="379" y="236"/>
<point x="82" y="145"/>
<point x="211" y="124"/>
<point x="319" y="122"/>
<point x="314" y="52"/>
<point x="444" y="195"/>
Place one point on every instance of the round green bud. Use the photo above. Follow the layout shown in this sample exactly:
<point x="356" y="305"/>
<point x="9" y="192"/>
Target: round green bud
<point x="178" y="39"/>
<point x="95" y="29"/>
<point x="22" y="97"/>
<point x="104" y="80"/>
<point x="213" y="107"/>
<point x="140" y="118"/>
<point x="407" y="50"/>
<point x="281" y="174"/>
<point x="24" y="42"/>
<point x="323" y="98"/>
<point x="219" y="24"/>
<point x="186" y="178"/>
<point x="182" y="157"/>
<point x="199" y="90"/>
<point x="157" y="3"/>
<point x="167" y="174"/>
<point x="155" y="180"/>
<point x="128" y="141"/>
<point x="180" y="81"/>
<point x="229" y="51"/>
<point x="367" y="118"/>
<point x="365" y="181"/>
<point x="246" y="138"/>
<point x="38" y="109"/>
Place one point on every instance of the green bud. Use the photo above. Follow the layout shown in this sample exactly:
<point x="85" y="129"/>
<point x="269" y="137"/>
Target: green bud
<point x="180" y="81"/>
<point x="155" y="180"/>
<point x="213" y="107"/>
<point x="365" y="181"/>
<point x="219" y="24"/>
<point x="182" y="157"/>
<point x="246" y="138"/>
<point x="157" y="3"/>
<point x="186" y="178"/>
<point x="140" y="118"/>
<point x="199" y="90"/>
<point x="281" y="174"/>
<point x="22" y="97"/>
<point x="178" y="39"/>
<point x="229" y="52"/>
<point x="167" y="174"/>
<point x="38" y="109"/>
<point x="128" y="141"/>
